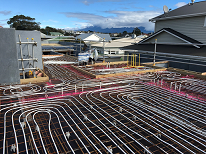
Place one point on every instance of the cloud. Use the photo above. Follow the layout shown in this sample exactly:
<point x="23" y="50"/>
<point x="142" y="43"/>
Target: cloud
<point x="3" y="24"/>
<point x="88" y="2"/>
<point x="79" y="25"/>
<point x="5" y="12"/>
<point x="4" y="20"/>
<point x="116" y="19"/>
<point x="85" y="2"/>
<point x="180" y="4"/>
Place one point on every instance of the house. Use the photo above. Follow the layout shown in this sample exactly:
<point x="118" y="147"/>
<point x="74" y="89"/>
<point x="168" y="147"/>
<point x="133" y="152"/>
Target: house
<point x="115" y="34"/>
<point x="94" y="37"/>
<point x="56" y="34"/>
<point x="179" y="31"/>
<point x="189" y="20"/>
<point x="114" y="47"/>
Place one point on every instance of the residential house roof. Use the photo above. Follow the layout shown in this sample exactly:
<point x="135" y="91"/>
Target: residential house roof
<point x="188" y="10"/>
<point x="101" y="36"/>
<point x="118" y="43"/>
<point x="55" y="33"/>
<point x="174" y="33"/>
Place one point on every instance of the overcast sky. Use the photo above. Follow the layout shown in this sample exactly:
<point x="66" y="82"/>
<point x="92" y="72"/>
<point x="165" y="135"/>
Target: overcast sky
<point x="75" y="14"/>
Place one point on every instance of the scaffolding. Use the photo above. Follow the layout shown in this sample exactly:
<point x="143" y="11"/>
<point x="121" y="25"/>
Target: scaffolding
<point x="30" y="56"/>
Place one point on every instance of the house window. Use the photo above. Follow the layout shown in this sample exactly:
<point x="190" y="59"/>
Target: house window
<point x="205" y="22"/>
<point x="112" y="52"/>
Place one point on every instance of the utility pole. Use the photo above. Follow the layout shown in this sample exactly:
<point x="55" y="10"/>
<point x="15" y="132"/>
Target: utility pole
<point x="80" y="45"/>
<point x="155" y="51"/>
<point x="103" y="49"/>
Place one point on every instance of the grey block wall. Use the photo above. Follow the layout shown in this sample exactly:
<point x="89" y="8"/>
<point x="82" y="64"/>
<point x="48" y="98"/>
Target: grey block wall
<point x="9" y="69"/>
<point x="37" y="49"/>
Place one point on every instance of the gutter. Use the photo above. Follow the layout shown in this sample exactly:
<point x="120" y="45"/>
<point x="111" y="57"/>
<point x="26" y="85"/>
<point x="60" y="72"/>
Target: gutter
<point x="177" y="17"/>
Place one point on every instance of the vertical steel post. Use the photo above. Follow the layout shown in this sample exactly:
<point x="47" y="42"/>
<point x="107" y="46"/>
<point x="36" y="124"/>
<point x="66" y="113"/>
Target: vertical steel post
<point x="179" y="87"/>
<point x="139" y="59"/>
<point x="127" y="60"/>
<point x="135" y="60"/>
<point x="62" y="91"/>
<point x="28" y="52"/>
<point x="103" y="49"/>
<point x="22" y="62"/>
<point x="171" y="86"/>
<point x="155" y="51"/>
<point x="33" y="52"/>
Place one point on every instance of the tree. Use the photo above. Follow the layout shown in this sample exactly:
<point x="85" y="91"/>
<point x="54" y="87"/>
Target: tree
<point x="124" y="33"/>
<point x="21" y="22"/>
<point x="48" y="29"/>
<point x="137" y="31"/>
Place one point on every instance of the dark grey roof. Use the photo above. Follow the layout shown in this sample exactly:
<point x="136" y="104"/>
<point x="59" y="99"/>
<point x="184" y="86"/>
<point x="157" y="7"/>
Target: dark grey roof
<point x="174" y="33"/>
<point x="106" y="36"/>
<point x="194" y="9"/>
<point x="83" y="36"/>
<point x="101" y="36"/>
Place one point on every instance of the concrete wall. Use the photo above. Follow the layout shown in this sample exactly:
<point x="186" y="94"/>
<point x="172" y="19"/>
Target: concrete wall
<point x="37" y="49"/>
<point x="9" y="70"/>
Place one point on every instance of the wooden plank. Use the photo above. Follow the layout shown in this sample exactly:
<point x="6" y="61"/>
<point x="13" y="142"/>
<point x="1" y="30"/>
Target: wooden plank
<point x="151" y="63"/>
<point x="204" y="73"/>
<point x="34" y="80"/>
<point x="187" y="72"/>
<point x="111" y="63"/>
<point x="130" y="73"/>
<point x="45" y="78"/>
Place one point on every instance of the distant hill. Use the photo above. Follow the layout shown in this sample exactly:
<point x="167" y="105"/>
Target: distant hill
<point x="113" y="30"/>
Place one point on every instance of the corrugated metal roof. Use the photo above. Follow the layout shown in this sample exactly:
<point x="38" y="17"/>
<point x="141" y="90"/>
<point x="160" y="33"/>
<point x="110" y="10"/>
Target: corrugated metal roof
<point x="106" y="36"/>
<point x="188" y="10"/>
<point x="119" y="43"/>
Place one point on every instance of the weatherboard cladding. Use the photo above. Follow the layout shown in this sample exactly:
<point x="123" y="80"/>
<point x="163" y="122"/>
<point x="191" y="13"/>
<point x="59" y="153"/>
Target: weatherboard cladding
<point x="192" y="27"/>
<point x="166" y="38"/>
<point x="169" y="37"/>
<point x="194" y="9"/>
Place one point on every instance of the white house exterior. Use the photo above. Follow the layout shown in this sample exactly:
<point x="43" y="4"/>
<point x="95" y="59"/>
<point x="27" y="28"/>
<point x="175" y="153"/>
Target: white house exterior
<point x="94" y="37"/>
<point x="114" y="47"/>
